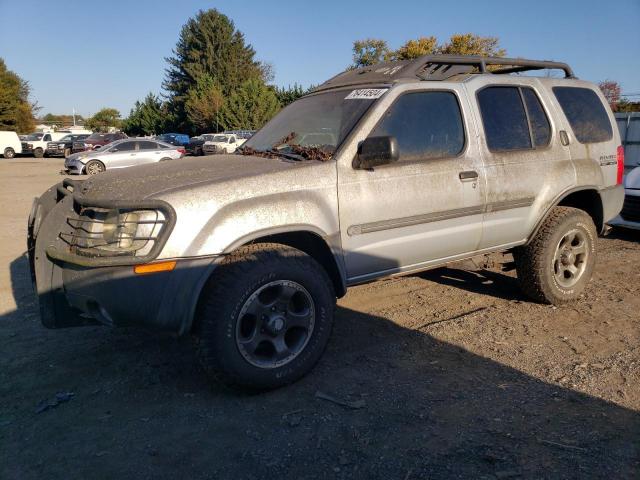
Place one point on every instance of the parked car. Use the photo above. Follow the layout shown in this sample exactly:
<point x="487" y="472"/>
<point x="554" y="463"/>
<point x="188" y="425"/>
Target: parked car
<point x="195" y="143"/>
<point x="36" y="143"/>
<point x="121" y="154"/>
<point x="10" y="144"/>
<point x="177" y="139"/>
<point x="629" y="125"/>
<point x="430" y="161"/>
<point x="62" y="147"/>
<point x="96" y="140"/>
<point x="222" y="143"/>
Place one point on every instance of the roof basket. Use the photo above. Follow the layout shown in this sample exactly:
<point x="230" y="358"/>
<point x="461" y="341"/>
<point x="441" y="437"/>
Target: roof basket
<point x="432" y="67"/>
<point x="439" y="67"/>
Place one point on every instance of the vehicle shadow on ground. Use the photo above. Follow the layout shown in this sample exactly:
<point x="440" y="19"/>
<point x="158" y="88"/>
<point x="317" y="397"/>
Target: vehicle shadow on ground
<point x="626" y="234"/>
<point x="482" y="281"/>
<point x="396" y="403"/>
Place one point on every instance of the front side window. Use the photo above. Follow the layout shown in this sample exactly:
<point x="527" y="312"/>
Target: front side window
<point x="586" y="114"/>
<point x="425" y="124"/>
<point x="124" y="147"/>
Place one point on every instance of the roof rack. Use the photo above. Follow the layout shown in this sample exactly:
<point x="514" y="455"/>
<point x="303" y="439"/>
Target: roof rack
<point x="439" y="67"/>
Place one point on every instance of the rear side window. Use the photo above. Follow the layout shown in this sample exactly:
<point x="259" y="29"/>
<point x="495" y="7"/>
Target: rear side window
<point x="425" y="124"/>
<point x="586" y="114"/>
<point x="146" y="145"/>
<point x="126" y="146"/>
<point x="513" y="118"/>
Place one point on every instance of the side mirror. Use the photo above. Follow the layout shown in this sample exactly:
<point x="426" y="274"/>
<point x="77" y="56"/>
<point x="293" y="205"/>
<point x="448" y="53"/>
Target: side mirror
<point x="377" y="151"/>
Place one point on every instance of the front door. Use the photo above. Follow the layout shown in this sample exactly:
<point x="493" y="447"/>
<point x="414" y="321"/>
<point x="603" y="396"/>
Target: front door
<point x="428" y="206"/>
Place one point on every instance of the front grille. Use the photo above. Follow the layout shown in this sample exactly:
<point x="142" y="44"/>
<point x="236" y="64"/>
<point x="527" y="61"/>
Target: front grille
<point x="631" y="208"/>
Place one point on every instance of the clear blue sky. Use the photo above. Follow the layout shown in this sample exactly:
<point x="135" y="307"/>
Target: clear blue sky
<point x="87" y="55"/>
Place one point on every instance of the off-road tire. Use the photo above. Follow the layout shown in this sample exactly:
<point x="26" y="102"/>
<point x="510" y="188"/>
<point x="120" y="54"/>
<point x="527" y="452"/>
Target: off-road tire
<point x="99" y="167"/>
<point x="535" y="261"/>
<point x="240" y="275"/>
<point x="38" y="153"/>
<point x="9" y="153"/>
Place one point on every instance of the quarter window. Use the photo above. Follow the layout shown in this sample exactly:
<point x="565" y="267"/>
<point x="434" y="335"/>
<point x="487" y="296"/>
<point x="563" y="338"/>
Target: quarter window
<point x="586" y="114"/>
<point x="425" y="124"/>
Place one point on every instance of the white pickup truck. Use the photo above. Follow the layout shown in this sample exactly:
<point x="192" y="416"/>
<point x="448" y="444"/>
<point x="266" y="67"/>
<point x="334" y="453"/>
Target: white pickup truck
<point x="36" y="143"/>
<point x="222" y="143"/>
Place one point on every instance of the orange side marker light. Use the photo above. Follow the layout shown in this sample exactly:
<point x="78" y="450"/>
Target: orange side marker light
<point x="154" y="267"/>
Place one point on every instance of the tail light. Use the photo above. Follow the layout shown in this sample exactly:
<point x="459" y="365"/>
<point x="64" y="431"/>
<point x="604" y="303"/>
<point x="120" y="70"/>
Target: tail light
<point x="182" y="150"/>
<point x="620" y="164"/>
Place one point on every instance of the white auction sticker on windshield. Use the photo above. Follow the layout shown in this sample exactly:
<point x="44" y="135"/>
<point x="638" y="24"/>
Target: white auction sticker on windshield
<point x="366" y="94"/>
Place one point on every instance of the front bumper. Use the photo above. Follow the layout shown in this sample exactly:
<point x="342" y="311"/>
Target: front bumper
<point x="72" y="295"/>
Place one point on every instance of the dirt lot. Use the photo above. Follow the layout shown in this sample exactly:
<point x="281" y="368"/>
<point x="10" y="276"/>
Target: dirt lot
<point x="447" y="374"/>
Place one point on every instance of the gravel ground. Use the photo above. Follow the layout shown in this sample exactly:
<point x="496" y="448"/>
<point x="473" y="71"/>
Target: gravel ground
<point x="447" y="374"/>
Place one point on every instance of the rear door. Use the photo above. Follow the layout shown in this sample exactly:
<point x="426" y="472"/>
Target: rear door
<point x="523" y="157"/>
<point x="593" y="138"/>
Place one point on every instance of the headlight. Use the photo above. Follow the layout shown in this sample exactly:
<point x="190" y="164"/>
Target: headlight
<point x="61" y="145"/>
<point x="116" y="232"/>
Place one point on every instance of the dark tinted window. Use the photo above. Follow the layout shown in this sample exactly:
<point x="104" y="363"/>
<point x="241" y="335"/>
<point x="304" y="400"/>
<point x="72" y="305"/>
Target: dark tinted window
<point x="586" y="114"/>
<point x="426" y="125"/>
<point x="537" y="118"/>
<point x="504" y="118"/>
<point x="146" y="145"/>
<point x="125" y="146"/>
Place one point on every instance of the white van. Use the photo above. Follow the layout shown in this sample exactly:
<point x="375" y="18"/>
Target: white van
<point x="10" y="144"/>
<point x="36" y="143"/>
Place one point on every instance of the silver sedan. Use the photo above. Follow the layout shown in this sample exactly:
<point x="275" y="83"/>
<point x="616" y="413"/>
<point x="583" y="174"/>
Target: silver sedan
<point x="120" y="154"/>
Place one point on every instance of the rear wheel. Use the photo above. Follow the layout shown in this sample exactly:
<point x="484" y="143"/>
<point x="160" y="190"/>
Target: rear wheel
<point x="38" y="153"/>
<point x="94" y="167"/>
<point x="165" y="159"/>
<point x="9" y="152"/>
<point x="265" y="317"/>
<point x="556" y="266"/>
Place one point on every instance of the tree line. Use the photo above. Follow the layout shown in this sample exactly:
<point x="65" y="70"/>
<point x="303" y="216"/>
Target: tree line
<point x="213" y="82"/>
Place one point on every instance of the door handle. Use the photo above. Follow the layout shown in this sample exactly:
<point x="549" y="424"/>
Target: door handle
<point x="564" y="138"/>
<point x="468" y="176"/>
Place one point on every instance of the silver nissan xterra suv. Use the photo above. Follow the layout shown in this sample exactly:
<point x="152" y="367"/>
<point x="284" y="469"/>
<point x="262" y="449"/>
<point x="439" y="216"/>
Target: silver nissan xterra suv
<point x="380" y="171"/>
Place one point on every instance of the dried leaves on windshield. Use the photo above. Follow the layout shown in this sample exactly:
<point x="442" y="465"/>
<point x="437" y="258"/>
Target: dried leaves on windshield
<point x="322" y="153"/>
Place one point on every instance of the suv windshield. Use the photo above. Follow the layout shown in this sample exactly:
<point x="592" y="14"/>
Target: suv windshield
<point x="34" y="136"/>
<point x="312" y="127"/>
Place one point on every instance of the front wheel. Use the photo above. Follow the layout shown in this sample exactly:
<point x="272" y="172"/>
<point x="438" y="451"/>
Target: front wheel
<point x="264" y="317"/>
<point x="9" y="152"/>
<point x="38" y="153"/>
<point x="556" y="266"/>
<point x="94" y="167"/>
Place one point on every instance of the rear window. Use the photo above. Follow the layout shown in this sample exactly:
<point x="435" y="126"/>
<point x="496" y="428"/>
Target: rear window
<point x="586" y="114"/>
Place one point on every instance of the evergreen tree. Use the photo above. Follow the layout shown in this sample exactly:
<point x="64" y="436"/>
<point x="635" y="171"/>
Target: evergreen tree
<point x="249" y="107"/>
<point x="147" y="117"/>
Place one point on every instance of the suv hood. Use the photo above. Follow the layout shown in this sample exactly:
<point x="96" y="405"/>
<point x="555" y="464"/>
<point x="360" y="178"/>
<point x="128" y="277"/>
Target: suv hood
<point x="145" y="181"/>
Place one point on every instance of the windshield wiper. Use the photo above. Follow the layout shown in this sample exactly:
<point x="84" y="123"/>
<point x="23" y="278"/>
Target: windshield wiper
<point x="290" y="156"/>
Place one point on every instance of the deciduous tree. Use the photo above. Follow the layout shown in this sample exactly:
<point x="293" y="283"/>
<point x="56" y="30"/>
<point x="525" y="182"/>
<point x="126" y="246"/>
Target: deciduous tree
<point x="104" y="119"/>
<point x="369" y="52"/>
<point x="611" y="91"/>
<point x="16" y="111"/>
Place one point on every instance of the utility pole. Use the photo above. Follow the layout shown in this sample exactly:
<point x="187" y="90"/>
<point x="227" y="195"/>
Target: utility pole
<point x="74" y="117"/>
